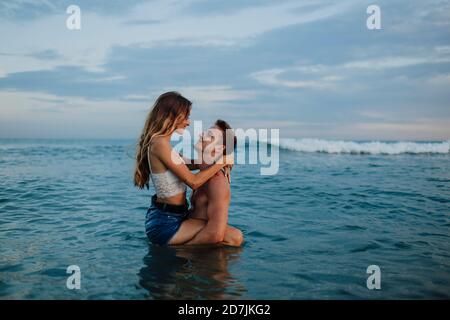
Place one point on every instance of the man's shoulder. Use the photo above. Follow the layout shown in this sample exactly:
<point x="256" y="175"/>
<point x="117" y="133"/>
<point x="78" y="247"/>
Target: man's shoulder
<point x="218" y="186"/>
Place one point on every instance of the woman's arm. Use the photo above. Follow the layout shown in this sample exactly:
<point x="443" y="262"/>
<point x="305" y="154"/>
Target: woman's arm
<point x="167" y="155"/>
<point x="190" y="163"/>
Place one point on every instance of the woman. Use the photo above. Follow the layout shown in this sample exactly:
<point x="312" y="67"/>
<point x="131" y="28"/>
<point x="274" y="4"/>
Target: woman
<point x="166" y="221"/>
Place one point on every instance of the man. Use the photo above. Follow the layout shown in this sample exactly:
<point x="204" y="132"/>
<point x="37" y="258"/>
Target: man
<point x="211" y="201"/>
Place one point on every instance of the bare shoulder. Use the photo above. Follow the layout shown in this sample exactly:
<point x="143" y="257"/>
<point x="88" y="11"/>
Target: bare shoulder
<point x="158" y="144"/>
<point x="218" y="186"/>
<point x="158" y="141"/>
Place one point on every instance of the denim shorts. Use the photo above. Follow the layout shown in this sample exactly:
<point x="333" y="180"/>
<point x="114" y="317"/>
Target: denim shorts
<point x="161" y="226"/>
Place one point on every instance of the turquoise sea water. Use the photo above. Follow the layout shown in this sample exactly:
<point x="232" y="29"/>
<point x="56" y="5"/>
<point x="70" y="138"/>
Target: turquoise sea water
<point x="311" y="231"/>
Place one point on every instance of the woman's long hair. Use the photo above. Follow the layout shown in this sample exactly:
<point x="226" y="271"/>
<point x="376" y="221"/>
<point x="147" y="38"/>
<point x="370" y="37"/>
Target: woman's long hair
<point x="168" y="111"/>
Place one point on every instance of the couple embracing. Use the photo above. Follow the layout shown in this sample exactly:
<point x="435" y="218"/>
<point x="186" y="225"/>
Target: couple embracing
<point x="170" y="220"/>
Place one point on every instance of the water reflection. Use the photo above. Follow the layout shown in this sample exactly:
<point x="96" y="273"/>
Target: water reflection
<point x="190" y="273"/>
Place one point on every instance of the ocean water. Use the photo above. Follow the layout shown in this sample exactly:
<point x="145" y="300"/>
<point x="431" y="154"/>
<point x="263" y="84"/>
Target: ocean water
<point x="311" y="231"/>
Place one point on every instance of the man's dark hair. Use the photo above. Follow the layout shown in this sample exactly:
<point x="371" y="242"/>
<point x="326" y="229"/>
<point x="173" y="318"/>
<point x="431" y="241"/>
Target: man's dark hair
<point x="227" y="130"/>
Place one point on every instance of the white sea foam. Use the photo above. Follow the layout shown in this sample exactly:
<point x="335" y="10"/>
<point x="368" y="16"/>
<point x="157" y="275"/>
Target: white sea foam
<point x="372" y="147"/>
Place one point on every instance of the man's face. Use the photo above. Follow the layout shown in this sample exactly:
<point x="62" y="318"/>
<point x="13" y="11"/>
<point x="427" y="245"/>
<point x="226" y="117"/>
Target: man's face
<point x="210" y="142"/>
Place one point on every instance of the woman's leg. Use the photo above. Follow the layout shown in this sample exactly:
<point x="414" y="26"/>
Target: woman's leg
<point x="198" y="213"/>
<point x="188" y="229"/>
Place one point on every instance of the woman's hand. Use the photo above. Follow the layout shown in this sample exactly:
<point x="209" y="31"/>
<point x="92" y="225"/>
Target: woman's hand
<point x="229" y="159"/>
<point x="226" y="160"/>
<point x="227" y="172"/>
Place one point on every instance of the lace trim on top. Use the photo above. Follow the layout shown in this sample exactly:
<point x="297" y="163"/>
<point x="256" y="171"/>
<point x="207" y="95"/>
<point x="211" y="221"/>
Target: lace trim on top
<point x="167" y="184"/>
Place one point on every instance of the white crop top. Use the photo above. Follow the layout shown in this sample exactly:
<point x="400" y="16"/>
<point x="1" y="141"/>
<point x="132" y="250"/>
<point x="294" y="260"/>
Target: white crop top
<point x="167" y="184"/>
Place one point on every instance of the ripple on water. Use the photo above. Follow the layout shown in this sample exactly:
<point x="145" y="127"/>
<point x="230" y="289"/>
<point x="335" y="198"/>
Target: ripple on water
<point x="367" y="247"/>
<point x="402" y="245"/>
<point x="350" y="228"/>
<point x="257" y="234"/>
<point x="54" y="272"/>
<point x="11" y="268"/>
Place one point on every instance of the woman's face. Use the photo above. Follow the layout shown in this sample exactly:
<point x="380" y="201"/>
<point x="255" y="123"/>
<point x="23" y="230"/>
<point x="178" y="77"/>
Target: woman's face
<point x="183" y="124"/>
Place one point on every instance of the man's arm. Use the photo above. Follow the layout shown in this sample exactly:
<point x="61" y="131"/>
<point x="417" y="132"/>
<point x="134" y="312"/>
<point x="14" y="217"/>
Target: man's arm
<point x="218" y="193"/>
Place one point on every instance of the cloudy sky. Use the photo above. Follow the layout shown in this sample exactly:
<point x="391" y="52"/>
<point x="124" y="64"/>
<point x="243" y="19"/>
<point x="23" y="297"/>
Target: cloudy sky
<point x="310" y="68"/>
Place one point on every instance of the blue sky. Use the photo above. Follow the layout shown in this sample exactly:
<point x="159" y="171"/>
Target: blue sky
<point x="310" y="68"/>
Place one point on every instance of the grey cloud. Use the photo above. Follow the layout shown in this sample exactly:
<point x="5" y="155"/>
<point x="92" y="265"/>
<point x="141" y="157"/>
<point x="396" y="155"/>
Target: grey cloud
<point x="46" y="55"/>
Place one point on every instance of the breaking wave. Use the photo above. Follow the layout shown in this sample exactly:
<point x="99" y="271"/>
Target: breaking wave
<point x="371" y="147"/>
